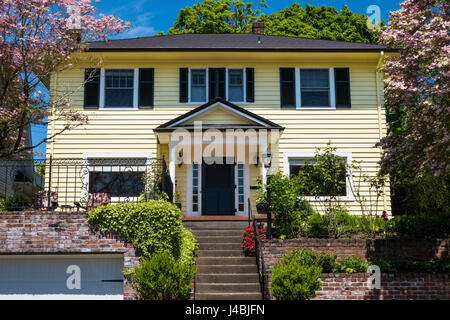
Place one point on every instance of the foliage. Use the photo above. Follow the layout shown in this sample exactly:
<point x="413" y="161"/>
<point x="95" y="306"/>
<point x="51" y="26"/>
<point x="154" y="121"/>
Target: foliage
<point x="249" y="239"/>
<point x="290" y="210"/>
<point x="317" y="226"/>
<point x="217" y="16"/>
<point x="294" y="281"/>
<point x="420" y="227"/>
<point x="319" y="23"/>
<point x="151" y="226"/>
<point x="416" y="90"/>
<point x="398" y="265"/>
<point x="310" y="258"/>
<point x="152" y="180"/>
<point x="187" y="247"/>
<point x="37" y="39"/>
<point x="15" y="202"/>
<point x="351" y="265"/>
<point x="161" y="277"/>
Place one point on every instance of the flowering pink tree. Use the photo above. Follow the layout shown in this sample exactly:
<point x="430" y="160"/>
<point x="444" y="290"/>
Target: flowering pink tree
<point x="417" y="88"/>
<point x="36" y="39"/>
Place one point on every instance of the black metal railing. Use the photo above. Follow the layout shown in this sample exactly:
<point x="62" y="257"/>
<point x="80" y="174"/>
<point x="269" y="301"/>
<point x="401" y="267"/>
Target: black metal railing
<point x="77" y="184"/>
<point x="263" y="277"/>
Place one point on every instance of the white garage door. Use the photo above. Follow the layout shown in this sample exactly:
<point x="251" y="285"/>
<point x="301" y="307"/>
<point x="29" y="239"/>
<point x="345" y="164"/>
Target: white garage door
<point x="84" y="276"/>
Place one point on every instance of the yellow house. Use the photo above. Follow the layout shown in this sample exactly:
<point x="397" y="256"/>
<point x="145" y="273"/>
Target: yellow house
<point x="221" y="108"/>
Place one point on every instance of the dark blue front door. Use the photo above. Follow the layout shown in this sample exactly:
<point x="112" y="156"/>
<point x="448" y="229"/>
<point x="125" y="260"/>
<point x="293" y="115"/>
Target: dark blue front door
<point x="218" y="189"/>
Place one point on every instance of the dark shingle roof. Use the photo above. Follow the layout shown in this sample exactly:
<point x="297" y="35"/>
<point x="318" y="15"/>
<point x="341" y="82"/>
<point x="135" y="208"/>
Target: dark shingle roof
<point x="231" y="42"/>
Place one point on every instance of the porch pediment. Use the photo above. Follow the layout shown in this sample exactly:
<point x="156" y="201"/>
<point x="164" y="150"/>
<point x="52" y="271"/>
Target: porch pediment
<point x="219" y="114"/>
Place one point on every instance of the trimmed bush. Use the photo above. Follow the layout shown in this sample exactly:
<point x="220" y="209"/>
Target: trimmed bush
<point x="294" y="281"/>
<point x="152" y="226"/>
<point x="162" y="278"/>
<point x="188" y="246"/>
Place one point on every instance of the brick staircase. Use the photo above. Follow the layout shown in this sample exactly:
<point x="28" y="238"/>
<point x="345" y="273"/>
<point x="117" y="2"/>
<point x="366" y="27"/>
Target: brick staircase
<point x="224" y="273"/>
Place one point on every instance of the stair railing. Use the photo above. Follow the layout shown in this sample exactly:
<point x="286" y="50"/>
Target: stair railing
<point x="263" y="278"/>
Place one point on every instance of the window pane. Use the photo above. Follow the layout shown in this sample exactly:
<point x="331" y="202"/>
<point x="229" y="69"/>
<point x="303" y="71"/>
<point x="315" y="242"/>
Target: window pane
<point x="314" y="78"/>
<point x="315" y="98"/>
<point x="119" y="88"/>
<point x="236" y="85"/>
<point x="198" y="85"/>
<point x="118" y="98"/>
<point x="116" y="184"/>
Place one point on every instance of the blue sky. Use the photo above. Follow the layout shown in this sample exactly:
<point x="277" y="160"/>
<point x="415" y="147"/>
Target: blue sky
<point x="152" y="16"/>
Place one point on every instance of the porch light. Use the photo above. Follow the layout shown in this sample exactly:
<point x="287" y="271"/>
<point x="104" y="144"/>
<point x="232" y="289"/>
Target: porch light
<point x="267" y="159"/>
<point x="180" y="159"/>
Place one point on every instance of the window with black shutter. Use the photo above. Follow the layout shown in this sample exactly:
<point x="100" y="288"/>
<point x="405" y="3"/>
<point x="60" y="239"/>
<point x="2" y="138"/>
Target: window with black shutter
<point x="342" y="87"/>
<point x="250" y="79"/>
<point x="287" y="87"/>
<point x="217" y="83"/>
<point x="184" y="83"/>
<point x="146" y="87"/>
<point x="91" y="88"/>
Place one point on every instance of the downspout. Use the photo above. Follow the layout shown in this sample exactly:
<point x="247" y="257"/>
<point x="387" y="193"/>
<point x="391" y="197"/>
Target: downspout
<point x="380" y="128"/>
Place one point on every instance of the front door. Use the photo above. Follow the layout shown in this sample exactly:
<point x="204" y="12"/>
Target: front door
<point x="218" y="189"/>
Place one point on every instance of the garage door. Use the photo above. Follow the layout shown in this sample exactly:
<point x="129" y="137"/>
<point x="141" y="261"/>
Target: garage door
<point x="61" y="277"/>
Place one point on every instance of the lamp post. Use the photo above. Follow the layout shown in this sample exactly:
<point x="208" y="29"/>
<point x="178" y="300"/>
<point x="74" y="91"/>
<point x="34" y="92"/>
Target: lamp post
<point x="267" y="162"/>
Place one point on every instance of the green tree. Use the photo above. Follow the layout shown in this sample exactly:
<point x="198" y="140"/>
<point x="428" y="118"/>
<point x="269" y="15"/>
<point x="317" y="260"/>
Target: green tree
<point x="319" y="23"/>
<point x="217" y="16"/>
<point x="236" y="16"/>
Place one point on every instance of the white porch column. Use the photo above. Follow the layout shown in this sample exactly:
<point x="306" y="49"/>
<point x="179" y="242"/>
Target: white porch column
<point x="172" y="165"/>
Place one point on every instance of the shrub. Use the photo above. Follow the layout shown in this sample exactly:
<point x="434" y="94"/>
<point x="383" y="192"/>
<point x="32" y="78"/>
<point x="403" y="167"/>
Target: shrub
<point x="420" y="227"/>
<point x="290" y="210"/>
<point x="311" y="258"/>
<point x="317" y="226"/>
<point x="188" y="246"/>
<point x="151" y="226"/>
<point x="249" y="239"/>
<point x="351" y="265"/>
<point x="397" y="265"/>
<point x="294" y="281"/>
<point x="163" y="278"/>
<point x="15" y="202"/>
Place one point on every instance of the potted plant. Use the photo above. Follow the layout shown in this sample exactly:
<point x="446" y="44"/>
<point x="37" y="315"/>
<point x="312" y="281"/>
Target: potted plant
<point x="262" y="206"/>
<point x="177" y="200"/>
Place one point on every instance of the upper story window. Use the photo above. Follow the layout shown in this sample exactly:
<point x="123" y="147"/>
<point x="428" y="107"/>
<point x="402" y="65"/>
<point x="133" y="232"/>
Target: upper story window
<point x="198" y="85"/>
<point x="119" y="88"/>
<point x="315" y="88"/>
<point x="202" y="85"/>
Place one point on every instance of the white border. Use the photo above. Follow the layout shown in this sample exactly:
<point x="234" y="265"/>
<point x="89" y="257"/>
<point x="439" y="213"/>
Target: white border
<point x="311" y="155"/>
<point x="135" y="90"/>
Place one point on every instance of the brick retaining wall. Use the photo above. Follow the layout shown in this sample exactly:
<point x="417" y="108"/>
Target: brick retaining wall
<point x="354" y="286"/>
<point x="61" y="233"/>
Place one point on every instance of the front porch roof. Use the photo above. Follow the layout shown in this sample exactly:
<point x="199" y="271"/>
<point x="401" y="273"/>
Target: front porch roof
<point x="252" y="120"/>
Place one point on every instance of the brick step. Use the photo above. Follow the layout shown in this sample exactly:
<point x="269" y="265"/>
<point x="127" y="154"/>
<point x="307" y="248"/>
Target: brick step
<point x="219" y="253"/>
<point x="220" y="269"/>
<point x="226" y="261"/>
<point x="227" y="278"/>
<point x="224" y="232"/>
<point x="220" y="246"/>
<point x="220" y="239"/>
<point x="216" y="225"/>
<point x="228" y="296"/>
<point x="227" y="287"/>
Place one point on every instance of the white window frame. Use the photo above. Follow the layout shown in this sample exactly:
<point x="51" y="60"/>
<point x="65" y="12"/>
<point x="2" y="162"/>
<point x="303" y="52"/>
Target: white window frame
<point x="87" y="168"/>
<point x="310" y="155"/>
<point x="226" y="85"/>
<point x="135" y="90"/>
<point x="298" y="90"/>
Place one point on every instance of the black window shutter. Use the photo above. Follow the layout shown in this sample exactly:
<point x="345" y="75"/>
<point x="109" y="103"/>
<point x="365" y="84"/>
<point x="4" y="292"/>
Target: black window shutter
<point x="91" y="88"/>
<point x="216" y="83"/>
<point x="250" y="79"/>
<point x="342" y="87"/>
<point x="287" y="87"/>
<point x="146" y="87"/>
<point x="184" y="82"/>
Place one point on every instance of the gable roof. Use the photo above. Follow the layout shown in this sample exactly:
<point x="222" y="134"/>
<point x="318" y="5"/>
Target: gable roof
<point x="232" y="42"/>
<point x="255" y="121"/>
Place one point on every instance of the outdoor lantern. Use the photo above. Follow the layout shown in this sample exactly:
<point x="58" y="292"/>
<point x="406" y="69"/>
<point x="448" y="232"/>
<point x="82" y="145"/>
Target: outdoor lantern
<point x="180" y="159"/>
<point x="267" y="159"/>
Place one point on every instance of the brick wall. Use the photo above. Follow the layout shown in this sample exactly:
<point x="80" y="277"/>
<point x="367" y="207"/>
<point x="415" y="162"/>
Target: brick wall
<point x="354" y="286"/>
<point x="408" y="286"/>
<point x="61" y="233"/>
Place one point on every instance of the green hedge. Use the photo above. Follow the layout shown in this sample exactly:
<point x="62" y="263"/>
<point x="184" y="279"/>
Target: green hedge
<point x="152" y="226"/>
